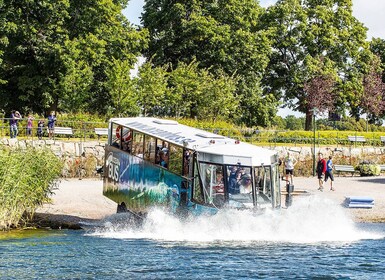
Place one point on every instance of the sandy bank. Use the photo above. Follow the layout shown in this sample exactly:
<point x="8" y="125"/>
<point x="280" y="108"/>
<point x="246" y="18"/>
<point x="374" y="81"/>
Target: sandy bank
<point x="81" y="200"/>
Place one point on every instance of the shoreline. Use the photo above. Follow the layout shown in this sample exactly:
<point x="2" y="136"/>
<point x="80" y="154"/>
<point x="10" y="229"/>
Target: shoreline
<point x="76" y="202"/>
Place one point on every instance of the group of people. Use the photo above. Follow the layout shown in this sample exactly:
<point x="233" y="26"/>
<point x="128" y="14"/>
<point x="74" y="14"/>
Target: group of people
<point x="16" y="117"/>
<point x="324" y="170"/>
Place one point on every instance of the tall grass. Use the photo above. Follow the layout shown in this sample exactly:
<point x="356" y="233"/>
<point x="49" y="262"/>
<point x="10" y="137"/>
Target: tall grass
<point x="27" y="178"/>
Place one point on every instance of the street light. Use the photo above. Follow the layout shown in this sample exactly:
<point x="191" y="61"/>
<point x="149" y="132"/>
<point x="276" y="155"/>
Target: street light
<point x="314" y="110"/>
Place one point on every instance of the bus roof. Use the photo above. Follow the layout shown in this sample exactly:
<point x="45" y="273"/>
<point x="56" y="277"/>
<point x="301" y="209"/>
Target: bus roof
<point x="209" y="145"/>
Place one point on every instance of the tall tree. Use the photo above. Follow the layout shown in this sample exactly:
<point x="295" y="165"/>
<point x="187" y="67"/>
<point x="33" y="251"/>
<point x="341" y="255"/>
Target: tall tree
<point x="372" y="100"/>
<point x="304" y="30"/>
<point x="377" y="46"/>
<point x="32" y="58"/>
<point x="222" y="36"/>
<point x="59" y="53"/>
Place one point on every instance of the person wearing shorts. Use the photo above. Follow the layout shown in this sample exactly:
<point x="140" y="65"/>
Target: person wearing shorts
<point x="289" y="162"/>
<point x="329" y="172"/>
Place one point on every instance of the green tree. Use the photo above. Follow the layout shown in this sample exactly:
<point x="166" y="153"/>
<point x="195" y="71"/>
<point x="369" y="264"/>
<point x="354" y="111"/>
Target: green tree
<point x="223" y="37"/>
<point x="377" y="46"/>
<point x="3" y="37"/>
<point x="196" y="93"/>
<point x="32" y="65"/>
<point x="60" y="51"/>
<point x="304" y="32"/>
<point x="121" y="87"/>
<point x="293" y="123"/>
<point x="151" y="88"/>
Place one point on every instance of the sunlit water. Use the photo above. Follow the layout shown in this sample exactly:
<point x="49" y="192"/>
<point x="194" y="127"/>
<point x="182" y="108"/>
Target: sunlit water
<point x="313" y="239"/>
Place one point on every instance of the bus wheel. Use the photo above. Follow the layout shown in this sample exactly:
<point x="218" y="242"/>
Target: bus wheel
<point x="122" y="208"/>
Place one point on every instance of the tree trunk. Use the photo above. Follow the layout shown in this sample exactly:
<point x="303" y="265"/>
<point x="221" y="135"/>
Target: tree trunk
<point x="309" y="120"/>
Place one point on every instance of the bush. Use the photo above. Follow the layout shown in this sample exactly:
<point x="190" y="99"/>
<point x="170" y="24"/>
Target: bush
<point x="368" y="168"/>
<point x="27" y="178"/>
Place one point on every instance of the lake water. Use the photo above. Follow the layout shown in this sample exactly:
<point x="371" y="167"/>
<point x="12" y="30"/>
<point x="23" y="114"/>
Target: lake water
<point x="313" y="239"/>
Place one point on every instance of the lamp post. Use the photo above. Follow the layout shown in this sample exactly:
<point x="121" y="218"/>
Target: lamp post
<point x="314" y="110"/>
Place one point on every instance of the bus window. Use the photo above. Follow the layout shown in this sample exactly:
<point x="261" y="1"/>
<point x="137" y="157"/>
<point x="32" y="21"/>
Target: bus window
<point x="187" y="163"/>
<point x="162" y="154"/>
<point x="175" y="159"/>
<point x="149" y="148"/>
<point x="137" y="144"/>
<point x="213" y="185"/>
<point x="240" y="186"/>
<point x="197" y="189"/>
<point x="115" y="140"/>
<point x="263" y="185"/>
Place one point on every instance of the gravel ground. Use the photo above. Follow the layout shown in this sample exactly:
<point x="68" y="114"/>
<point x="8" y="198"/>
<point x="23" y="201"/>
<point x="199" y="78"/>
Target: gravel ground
<point x="82" y="200"/>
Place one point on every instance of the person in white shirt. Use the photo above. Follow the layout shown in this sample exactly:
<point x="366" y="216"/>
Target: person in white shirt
<point x="289" y="162"/>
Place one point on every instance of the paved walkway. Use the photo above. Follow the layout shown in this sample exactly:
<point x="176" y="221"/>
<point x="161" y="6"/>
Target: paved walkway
<point x="351" y="186"/>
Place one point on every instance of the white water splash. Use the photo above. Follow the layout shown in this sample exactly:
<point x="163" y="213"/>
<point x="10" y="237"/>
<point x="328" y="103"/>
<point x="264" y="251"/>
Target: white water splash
<point x="311" y="219"/>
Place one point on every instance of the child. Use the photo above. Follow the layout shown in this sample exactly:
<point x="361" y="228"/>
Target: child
<point x="40" y="126"/>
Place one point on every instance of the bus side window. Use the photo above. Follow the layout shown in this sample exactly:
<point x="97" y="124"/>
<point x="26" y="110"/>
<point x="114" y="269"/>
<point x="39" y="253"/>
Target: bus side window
<point x="137" y="144"/>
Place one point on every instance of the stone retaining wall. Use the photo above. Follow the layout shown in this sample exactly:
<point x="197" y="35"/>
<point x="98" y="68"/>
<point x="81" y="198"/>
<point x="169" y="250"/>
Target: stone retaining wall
<point x="81" y="158"/>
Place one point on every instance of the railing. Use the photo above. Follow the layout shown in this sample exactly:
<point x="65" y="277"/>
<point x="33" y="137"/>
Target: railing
<point x="80" y="129"/>
<point x="90" y="131"/>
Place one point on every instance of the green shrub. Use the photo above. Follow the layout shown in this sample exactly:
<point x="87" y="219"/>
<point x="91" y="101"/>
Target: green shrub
<point x="368" y="168"/>
<point x="27" y="177"/>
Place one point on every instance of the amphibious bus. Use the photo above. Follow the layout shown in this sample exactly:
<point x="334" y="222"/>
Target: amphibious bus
<point x="157" y="162"/>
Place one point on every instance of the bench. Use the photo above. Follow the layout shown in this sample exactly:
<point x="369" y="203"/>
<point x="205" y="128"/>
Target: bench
<point x="382" y="166"/>
<point x="62" y="131"/>
<point x="356" y="139"/>
<point x="101" y="132"/>
<point x="344" y="168"/>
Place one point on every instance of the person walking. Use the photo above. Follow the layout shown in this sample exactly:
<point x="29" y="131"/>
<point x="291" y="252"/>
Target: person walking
<point x="321" y="169"/>
<point x="329" y="172"/>
<point x="289" y="163"/>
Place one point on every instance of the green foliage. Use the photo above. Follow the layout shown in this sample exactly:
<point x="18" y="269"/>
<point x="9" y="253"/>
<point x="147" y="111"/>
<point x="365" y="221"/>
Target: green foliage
<point x="367" y="168"/>
<point x="312" y="38"/>
<point x="223" y="37"/>
<point x="123" y="99"/>
<point x="60" y="52"/>
<point x="27" y="178"/>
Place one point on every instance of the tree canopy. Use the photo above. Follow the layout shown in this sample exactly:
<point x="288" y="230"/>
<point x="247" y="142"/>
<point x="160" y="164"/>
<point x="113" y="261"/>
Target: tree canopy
<point x="214" y="59"/>
<point x="58" y="53"/>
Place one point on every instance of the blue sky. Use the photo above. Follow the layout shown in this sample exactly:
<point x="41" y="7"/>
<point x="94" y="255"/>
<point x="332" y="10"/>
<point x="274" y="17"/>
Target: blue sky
<point x="370" y="12"/>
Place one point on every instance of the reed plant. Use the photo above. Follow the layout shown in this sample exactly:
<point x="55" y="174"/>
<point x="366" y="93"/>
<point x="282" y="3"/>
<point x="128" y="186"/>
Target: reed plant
<point x="27" y="178"/>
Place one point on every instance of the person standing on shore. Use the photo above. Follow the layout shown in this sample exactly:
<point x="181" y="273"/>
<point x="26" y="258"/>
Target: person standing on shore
<point x="289" y="162"/>
<point x="29" y="125"/>
<point x="13" y="126"/>
<point x="329" y="172"/>
<point x="321" y="169"/>
<point x="40" y="126"/>
<point x="51" y="124"/>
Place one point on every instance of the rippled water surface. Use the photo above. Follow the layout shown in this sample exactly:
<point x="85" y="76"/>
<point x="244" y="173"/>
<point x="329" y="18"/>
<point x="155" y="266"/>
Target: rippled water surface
<point x="304" y="242"/>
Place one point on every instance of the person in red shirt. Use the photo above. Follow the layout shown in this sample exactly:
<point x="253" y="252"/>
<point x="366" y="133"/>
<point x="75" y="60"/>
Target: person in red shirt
<point x="321" y="169"/>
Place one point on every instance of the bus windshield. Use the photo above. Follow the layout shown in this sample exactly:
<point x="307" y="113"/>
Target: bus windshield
<point x="239" y="186"/>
